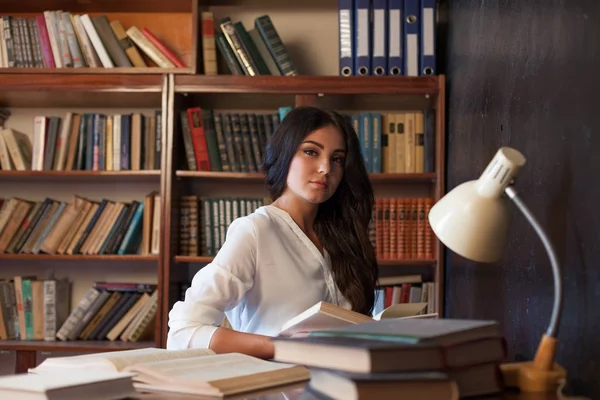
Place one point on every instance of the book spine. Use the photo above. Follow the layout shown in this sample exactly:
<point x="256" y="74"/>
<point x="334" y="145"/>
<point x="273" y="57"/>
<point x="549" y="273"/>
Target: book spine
<point x="209" y="53"/>
<point x="27" y="308"/>
<point x="131" y="230"/>
<point x="87" y="49"/>
<point x="275" y="45"/>
<point x="72" y="43"/>
<point x="127" y="44"/>
<point x="234" y="41"/>
<point x="199" y="138"/>
<point x="110" y="41"/>
<point x="49" y="310"/>
<point x="9" y="42"/>
<point x="148" y="48"/>
<point x="228" y="54"/>
<point x="53" y="37"/>
<point x="163" y="49"/>
<point x="35" y="43"/>
<point x="96" y="42"/>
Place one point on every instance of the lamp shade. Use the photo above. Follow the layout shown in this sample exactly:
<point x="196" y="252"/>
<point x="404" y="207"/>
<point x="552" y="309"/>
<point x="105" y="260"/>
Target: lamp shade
<point x="472" y="220"/>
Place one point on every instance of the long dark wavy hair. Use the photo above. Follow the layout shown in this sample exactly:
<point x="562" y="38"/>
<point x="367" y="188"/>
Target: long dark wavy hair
<point x="342" y="222"/>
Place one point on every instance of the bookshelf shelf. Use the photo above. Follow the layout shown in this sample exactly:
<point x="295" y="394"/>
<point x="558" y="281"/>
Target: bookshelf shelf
<point x="80" y="346"/>
<point x="66" y="90"/>
<point x="259" y="177"/>
<point x="249" y="176"/>
<point x="303" y="84"/>
<point x="193" y="259"/>
<point x="382" y="263"/>
<point x="81" y="82"/>
<point x="79" y="257"/>
<point x="133" y="71"/>
<point x="95" y="176"/>
<point x="393" y="178"/>
<point x="407" y="263"/>
<point x="158" y="6"/>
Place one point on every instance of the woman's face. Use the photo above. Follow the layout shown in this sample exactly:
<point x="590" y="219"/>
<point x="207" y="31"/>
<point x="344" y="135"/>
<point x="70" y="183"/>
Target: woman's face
<point x="318" y="165"/>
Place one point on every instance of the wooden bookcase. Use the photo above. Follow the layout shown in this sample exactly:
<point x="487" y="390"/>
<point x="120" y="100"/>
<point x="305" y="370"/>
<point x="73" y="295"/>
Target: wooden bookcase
<point x="53" y="94"/>
<point x="245" y="93"/>
<point x="171" y="90"/>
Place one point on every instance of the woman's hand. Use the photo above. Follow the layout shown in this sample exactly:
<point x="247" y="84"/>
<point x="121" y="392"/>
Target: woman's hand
<point x="227" y="340"/>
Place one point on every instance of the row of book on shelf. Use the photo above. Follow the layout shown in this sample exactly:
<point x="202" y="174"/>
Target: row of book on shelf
<point x="204" y="221"/>
<point x="387" y="37"/>
<point x="404" y="289"/>
<point x="85" y="142"/>
<point x="223" y="141"/>
<point x="255" y="51"/>
<point x="80" y="226"/>
<point x="399" y="142"/>
<point x="60" y="39"/>
<point x="400" y="228"/>
<point x="40" y="309"/>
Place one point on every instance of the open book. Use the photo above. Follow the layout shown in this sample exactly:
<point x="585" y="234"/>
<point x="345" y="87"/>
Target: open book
<point x="80" y="384"/>
<point x="325" y="315"/>
<point x="189" y="371"/>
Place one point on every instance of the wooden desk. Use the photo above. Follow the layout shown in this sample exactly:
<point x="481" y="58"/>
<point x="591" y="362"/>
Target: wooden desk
<point x="300" y="392"/>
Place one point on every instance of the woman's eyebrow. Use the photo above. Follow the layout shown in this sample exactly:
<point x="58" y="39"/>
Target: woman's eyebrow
<point x="319" y="145"/>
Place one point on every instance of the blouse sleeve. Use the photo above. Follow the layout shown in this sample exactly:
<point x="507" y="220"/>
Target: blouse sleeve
<point x="216" y="288"/>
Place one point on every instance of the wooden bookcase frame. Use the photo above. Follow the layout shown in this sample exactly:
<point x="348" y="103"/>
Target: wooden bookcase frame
<point x="306" y="90"/>
<point x="147" y="87"/>
<point x="66" y="90"/>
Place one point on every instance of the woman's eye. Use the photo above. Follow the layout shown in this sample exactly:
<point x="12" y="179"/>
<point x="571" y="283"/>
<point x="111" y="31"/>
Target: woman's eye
<point x="310" y="152"/>
<point x="339" y="160"/>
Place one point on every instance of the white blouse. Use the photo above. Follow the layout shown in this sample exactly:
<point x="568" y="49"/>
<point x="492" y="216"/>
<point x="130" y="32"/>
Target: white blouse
<point x="266" y="272"/>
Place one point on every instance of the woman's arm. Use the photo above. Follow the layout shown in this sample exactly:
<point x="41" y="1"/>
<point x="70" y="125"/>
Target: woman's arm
<point x="217" y="287"/>
<point x="226" y="340"/>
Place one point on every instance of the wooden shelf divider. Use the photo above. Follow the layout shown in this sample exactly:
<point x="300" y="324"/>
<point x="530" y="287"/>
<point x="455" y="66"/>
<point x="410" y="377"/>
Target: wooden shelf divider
<point x="72" y="345"/>
<point x="303" y="84"/>
<point x="80" y="176"/>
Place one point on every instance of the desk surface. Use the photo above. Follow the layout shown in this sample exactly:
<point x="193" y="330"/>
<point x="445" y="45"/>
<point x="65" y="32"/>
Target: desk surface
<point x="301" y="392"/>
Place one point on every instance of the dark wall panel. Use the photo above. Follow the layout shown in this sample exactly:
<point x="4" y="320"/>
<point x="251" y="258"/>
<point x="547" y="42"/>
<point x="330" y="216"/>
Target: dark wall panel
<point x="525" y="74"/>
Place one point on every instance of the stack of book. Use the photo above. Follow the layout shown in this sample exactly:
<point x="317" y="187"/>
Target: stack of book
<point x="391" y="357"/>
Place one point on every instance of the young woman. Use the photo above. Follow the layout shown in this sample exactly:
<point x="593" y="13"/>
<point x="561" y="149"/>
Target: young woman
<point x="311" y="244"/>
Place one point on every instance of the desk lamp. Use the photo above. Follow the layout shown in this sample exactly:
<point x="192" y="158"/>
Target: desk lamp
<point x="472" y="221"/>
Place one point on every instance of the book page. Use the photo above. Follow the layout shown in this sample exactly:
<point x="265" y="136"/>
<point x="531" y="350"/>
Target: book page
<point x="199" y="372"/>
<point x="42" y="383"/>
<point x="116" y="360"/>
<point x="322" y="316"/>
<point x="401" y="310"/>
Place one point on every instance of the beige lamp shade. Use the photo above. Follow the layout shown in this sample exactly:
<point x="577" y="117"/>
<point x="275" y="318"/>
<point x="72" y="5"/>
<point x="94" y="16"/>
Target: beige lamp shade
<point x="472" y="220"/>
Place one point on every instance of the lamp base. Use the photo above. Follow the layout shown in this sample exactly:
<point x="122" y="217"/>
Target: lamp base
<point x="527" y="377"/>
<point x="540" y="375"/>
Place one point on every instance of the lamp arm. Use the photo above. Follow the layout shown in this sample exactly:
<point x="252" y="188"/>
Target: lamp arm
<point x="558" y="295"/>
